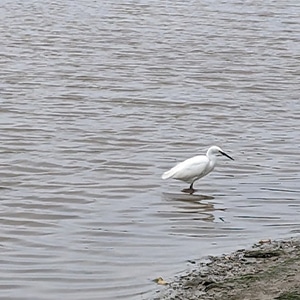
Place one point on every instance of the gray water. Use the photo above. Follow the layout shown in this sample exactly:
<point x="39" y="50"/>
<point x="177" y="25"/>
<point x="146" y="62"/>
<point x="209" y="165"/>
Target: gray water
<point x="99" y="98"/>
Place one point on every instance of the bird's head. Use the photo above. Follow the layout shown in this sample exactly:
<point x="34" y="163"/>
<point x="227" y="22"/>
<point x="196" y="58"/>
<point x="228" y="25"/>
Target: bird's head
<point x="217" y="151"/>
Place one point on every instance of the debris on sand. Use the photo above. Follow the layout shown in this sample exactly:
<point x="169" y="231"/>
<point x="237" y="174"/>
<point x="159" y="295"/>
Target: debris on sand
<point x="270" y="270"/>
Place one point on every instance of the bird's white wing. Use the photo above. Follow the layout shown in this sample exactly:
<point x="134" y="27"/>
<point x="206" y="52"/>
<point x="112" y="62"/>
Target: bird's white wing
<point x="188" y="170"/>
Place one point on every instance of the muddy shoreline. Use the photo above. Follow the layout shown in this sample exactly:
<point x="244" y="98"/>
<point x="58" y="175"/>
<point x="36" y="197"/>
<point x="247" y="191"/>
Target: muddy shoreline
<point x="269" y="270"/>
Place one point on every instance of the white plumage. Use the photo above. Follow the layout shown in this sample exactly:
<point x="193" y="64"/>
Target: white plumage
<point x="195" y="168"/>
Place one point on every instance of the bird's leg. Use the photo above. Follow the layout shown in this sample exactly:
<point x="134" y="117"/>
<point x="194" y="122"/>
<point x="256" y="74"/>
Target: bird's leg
<point x="191" y="186"/>
<point x="190" y="190"/>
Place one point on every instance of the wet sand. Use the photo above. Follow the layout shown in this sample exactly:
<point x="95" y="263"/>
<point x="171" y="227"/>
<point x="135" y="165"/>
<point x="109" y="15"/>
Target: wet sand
<point x="269" y="270"/>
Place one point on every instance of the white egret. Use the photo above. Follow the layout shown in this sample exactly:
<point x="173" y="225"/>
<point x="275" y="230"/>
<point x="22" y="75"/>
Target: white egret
<point x="195" y="167"/>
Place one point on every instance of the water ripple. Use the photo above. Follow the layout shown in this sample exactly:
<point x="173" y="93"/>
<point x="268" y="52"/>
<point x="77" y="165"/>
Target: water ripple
<point x="98" y="99"/>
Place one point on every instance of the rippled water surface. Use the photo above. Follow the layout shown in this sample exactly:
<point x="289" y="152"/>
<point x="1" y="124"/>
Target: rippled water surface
<point x="98" y="98"/>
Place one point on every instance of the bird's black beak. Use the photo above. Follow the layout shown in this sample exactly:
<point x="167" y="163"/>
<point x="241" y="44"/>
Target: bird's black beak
<point x="223" y="153"/>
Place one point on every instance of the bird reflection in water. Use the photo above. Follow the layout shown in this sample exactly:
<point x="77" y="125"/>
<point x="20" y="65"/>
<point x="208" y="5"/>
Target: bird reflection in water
<point x="195" y="206"/>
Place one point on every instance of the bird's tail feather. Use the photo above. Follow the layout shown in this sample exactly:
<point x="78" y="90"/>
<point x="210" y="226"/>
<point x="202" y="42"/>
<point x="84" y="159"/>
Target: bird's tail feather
<point x="168" y="174"/>
<point x="165" y="175"/>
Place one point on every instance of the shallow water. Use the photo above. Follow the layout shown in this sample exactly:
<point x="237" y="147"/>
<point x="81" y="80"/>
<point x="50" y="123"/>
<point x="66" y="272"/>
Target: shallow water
<point x="99" y="98"/>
